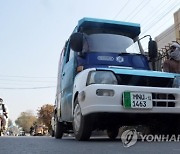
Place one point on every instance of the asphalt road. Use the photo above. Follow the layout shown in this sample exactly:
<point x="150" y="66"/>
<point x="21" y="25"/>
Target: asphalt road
<point x="68" y="145"/>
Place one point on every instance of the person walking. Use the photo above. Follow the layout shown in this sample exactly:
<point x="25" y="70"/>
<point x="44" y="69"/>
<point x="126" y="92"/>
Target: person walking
<point x="172" y="64"/>
<point x="4" y="115"/>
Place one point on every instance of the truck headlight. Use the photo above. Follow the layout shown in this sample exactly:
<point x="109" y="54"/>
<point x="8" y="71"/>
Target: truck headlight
<point x="176" y="82"/>
<point x="101" y="77"/>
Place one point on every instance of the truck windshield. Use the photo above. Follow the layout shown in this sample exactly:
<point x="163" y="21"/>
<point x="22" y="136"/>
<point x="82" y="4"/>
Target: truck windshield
<point x="110" y="43"/>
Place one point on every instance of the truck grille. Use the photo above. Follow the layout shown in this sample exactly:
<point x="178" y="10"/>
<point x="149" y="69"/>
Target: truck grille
<point x="147" y="81"/>
<point x="159" y="99"/>
<point x="163" y="100"/>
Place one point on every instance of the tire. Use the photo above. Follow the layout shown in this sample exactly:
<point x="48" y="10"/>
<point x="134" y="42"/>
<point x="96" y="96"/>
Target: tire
<point x="174" y="127"/>
<point x="59" y="129"/>
<point x="112" y="133"/>
<point x="52" y="133"/>
<point x="165" y="126"/>
<point x="1" y="127"/>
<point x="81" y="124"/>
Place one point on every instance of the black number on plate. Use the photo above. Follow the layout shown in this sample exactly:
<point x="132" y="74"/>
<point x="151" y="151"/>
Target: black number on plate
<point x="138" y="103"/>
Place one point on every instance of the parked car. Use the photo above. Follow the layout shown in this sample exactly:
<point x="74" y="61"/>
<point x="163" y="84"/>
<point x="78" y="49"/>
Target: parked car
<point x="22" y="133"/>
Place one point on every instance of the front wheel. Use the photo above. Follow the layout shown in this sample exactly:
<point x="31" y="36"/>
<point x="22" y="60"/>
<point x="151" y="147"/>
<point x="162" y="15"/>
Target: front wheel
<point x="52" y="133"/>
<point x="81" y="124"/>
<point x="112" y="133"/>
<point x="59" y="129"/>
<point x="1" y="130"/>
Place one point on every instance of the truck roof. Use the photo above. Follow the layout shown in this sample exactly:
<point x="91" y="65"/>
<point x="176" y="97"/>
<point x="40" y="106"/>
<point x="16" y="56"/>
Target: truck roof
<point x="130" y="29"/>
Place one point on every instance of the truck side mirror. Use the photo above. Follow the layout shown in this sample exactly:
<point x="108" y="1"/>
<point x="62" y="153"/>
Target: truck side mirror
<point x="76" y="42"/>
<point x="152" y="49"/>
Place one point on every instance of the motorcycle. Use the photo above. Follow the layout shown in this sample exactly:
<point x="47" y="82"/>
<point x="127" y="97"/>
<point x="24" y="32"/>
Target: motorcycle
<point x="32" y="132"/>
<point x="2" y="120"/>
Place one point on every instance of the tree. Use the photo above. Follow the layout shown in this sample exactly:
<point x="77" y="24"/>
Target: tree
<point x="45" y="114"/>
<point x="26" y="120"/>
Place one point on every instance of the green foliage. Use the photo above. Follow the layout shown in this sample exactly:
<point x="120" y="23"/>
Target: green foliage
<point x="26" y="120"/>
<point x="45" y="114"/>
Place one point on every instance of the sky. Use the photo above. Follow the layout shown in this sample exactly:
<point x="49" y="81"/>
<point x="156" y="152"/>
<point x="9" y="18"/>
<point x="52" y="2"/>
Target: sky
<point x="33" y="33"/>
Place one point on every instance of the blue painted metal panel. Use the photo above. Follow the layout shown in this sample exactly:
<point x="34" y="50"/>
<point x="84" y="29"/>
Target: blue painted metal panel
<point x="101" y="59"/>
<point x="131" y="29"/>
<point x="103" y="21"/>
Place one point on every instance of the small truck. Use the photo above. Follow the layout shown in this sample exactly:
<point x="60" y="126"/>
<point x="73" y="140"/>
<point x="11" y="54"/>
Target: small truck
<point x="106" y="80"/>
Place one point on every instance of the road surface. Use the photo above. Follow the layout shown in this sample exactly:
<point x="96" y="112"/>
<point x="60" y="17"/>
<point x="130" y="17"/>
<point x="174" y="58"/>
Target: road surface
<point x="68" y="145"/>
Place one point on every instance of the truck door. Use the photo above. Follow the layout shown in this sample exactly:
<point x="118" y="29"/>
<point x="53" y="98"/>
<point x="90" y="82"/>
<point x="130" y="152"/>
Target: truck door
<point x="67" y="81"/>
<point x="58" y="90"/>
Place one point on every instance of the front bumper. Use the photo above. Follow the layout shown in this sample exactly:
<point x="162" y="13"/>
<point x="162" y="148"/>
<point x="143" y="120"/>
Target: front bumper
<point x="114" y="104"/>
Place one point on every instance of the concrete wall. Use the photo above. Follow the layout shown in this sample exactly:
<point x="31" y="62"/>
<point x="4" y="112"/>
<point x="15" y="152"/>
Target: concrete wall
<point x="177" y="24"/>
<point x="170" y="34"/>
<point x="165" y="39"/>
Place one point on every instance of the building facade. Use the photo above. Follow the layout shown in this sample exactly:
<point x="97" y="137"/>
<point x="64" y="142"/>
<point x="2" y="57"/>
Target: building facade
<point x="165" y="39"/>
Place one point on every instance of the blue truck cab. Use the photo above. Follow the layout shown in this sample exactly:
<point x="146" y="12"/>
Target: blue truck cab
<point x="105" y="81"/>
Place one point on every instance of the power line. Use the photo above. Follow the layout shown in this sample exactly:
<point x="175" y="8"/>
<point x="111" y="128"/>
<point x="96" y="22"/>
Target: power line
<point x="11" y="76"/>
<point x="169" y="31"/>
<point x="19" y="84"/>
<point x="26" y="81"/>
<point x="6" y="88"/>
<point x="122" y="8"/>
<point x="154" y="13"/>
<point x="130" y="13"/>
<point x="146" y="2"/>
<point x="159" y="19"/>
<point x="161" y="25"/>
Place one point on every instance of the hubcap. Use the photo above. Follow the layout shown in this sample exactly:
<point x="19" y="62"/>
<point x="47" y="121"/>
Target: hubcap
<point x="77" y="117"/>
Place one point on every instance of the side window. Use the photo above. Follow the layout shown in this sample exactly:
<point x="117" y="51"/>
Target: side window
<point x="65" y="48"/>
<point x="69" y="53"/>
<point x="65" y="54"/>
<point x="60" y="67"/>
